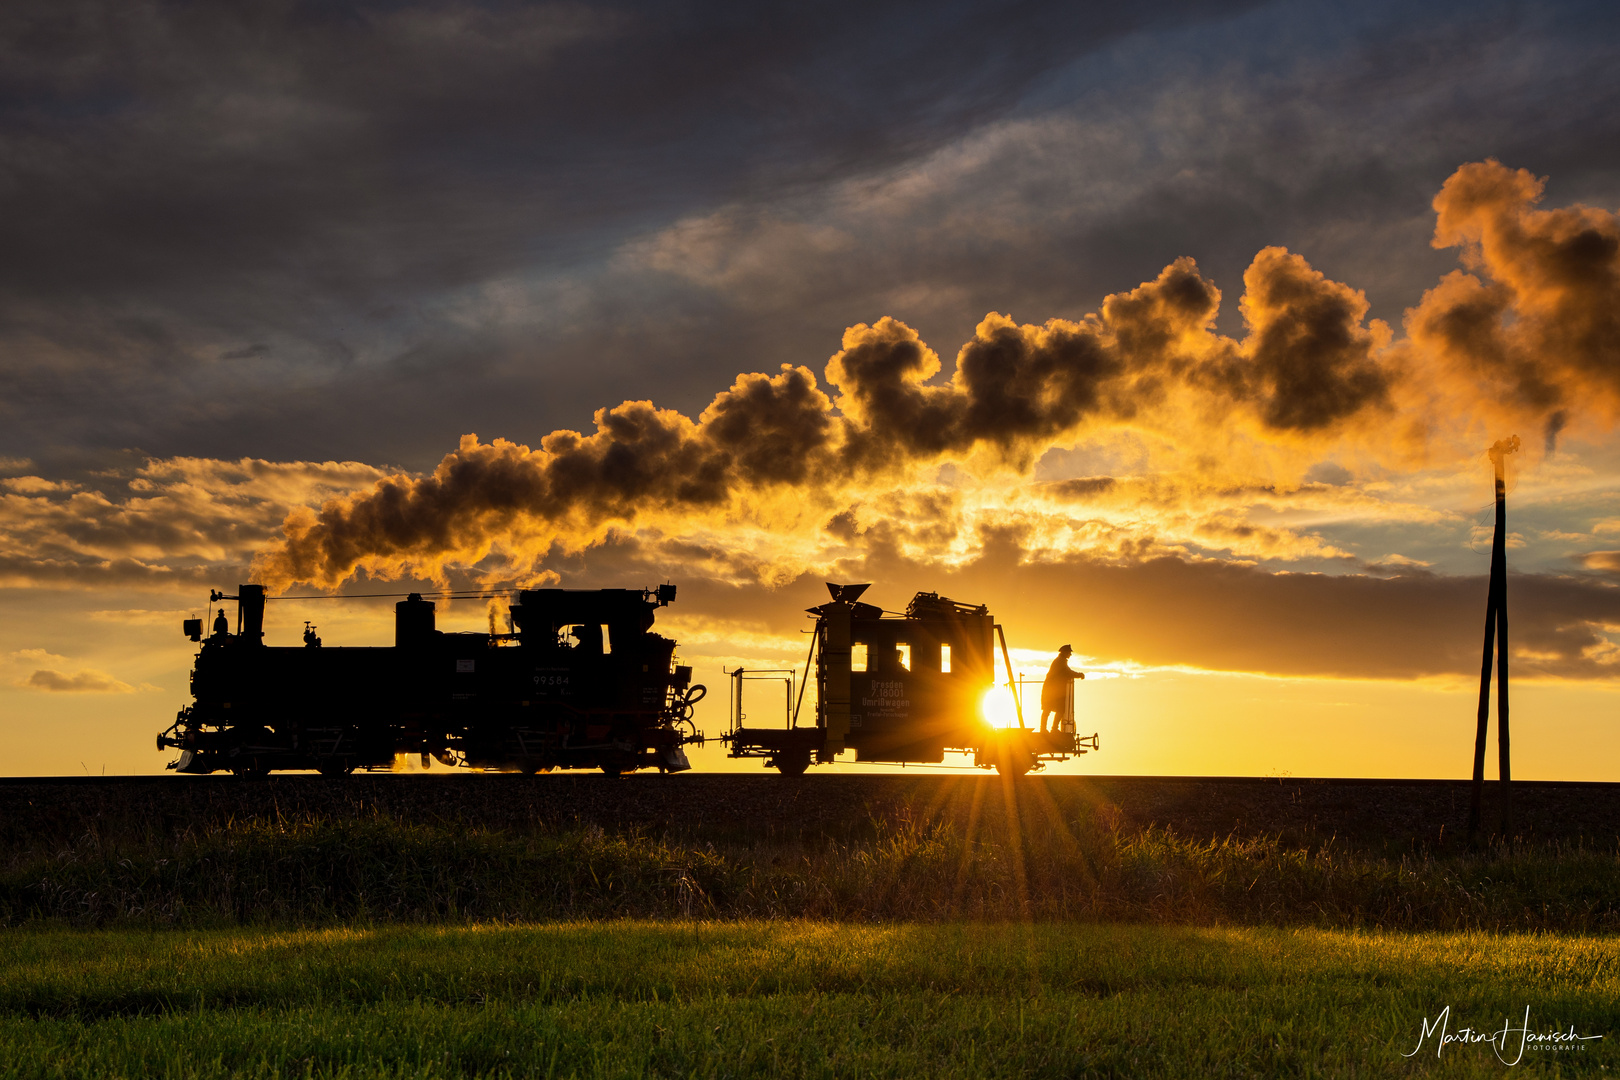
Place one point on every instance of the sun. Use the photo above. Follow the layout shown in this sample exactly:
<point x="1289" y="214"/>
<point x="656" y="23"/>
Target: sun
<point x="999" y="708"/>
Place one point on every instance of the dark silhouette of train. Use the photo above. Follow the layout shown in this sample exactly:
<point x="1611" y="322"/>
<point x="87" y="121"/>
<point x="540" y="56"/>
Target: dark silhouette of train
<point x="902" y="689"/>
<point x="582" y="682"/>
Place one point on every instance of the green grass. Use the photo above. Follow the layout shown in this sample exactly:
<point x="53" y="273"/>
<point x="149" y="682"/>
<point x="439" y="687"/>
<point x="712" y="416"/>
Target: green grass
<point x="1024" y="936"/>
<point x="789" y="998"/>
<point x="314" y="871"/>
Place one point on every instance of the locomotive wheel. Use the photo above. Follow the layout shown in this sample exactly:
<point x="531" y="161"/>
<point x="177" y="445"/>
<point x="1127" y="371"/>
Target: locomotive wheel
<point x="792" y="762"/>
<point x="335" y="767"/>
<point x="612" y="770"/>
<point x="253" y="768"/>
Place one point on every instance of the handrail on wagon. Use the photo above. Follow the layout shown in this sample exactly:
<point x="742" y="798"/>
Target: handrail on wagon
<point x="782" y="675"/>
<point x="814" y="637"/>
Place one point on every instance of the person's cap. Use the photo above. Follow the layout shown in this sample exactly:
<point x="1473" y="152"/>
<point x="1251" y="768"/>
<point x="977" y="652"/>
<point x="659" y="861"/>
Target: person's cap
<point x="1065" y="649"/>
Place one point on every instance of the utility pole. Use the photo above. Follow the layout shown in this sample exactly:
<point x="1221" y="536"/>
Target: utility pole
<point x="1496" y="634"/>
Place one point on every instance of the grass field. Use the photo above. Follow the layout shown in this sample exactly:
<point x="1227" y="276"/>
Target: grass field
<point x="298" y="873"/>
<point x="426" y="849"/>
<point x="778" y="998"/>
<point x="912" y="928"/>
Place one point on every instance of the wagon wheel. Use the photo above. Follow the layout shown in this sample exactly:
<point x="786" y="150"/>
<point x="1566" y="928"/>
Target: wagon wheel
<point x="792" y="762"/>
<point x="1014" y="763"/>
<point x="1010" y="755"/>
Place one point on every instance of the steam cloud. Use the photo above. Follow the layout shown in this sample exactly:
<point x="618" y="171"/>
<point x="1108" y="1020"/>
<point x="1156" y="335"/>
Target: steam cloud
<point x="1531" y="333"/>
<point x="1539" y="334"/>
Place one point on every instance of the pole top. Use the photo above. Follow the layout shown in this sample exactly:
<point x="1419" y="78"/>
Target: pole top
<point x="1503" y="447"/>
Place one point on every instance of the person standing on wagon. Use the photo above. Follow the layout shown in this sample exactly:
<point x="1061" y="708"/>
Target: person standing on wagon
<point x="1055" y="690"/>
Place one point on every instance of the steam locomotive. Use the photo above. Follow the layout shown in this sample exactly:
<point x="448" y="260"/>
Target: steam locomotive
<point x="582" y="682"/>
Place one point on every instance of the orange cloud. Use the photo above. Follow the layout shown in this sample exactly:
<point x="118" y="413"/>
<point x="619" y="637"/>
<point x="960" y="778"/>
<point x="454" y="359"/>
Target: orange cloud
<point x="1602" y="560"/>
<point x="165" y="522"/>
<point x="87" y="681"/>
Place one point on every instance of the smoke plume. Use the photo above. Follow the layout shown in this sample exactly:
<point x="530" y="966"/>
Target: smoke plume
<point x="1531" y="332"/>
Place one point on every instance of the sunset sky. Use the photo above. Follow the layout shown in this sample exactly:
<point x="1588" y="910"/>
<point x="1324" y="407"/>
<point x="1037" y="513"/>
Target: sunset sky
<point x="1176" y="335"/>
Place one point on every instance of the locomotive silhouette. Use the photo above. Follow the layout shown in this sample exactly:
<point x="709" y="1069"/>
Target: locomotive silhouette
<point x="582" y="682"/>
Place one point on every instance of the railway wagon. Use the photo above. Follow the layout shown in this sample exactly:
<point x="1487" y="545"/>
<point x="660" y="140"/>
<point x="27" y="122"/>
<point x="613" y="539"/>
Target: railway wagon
<point x="900" y="688"/>
<point x="580" y="682"/>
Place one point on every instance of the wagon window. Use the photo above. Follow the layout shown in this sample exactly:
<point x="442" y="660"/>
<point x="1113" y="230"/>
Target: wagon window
<point x="945" y="659"/>
<point x="904" y="652"/>
<point x="857" y="656"/>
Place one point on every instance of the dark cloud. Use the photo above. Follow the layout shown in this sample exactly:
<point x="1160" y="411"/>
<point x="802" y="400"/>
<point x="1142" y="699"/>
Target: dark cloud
<point x="1228" y="617"/>
<point x="1172" y="612"/>
<point x="1082" y="488"/>
<point x="1310" y="361"/>
<point x="360" y="231"/>
<point x="1014" y="386"/>
<point x="201" y="203"/>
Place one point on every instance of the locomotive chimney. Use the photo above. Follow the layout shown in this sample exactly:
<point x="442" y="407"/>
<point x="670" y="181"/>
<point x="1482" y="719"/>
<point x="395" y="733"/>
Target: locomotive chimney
<point x="413" y="622"/>
<point x="250" y="602"/>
